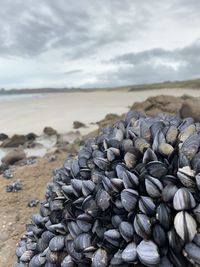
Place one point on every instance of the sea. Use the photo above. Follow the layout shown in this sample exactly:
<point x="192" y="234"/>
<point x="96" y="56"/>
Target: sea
<point x="13" y="97"/>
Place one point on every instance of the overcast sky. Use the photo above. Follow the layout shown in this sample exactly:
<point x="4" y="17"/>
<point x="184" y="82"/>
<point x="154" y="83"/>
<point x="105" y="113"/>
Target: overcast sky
<point x="92" y="43"/>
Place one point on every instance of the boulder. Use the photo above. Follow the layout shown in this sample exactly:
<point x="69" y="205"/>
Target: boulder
<point x="31" y="137"/>
<point x="78" y="124"/>
<point x="13" y="156"/>
<point x="49" y="131"/>
<point x="3" y="136"/>
<point x="14" y="141"/>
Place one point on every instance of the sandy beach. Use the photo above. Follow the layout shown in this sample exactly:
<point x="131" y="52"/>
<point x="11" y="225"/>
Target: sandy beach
<point x="32" y="114"/>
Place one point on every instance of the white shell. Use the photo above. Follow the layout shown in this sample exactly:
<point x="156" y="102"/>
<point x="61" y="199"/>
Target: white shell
<point x="185" y="226"/>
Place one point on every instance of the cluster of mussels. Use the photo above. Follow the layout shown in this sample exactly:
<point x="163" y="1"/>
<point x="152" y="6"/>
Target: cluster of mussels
<point x="130" y="198"/>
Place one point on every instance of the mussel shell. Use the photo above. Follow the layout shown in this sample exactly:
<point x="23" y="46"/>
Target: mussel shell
<point x="112" y="236"/>
<point x="126" y="230"/>
<point x="175" y="242"/>
<point x="153" y="187"/>
<point x="130" y="180"/>
<point x="163" y="215"/>
<point x="130" y="160"/>
<point x="156" y="169"/>
<point x="159" y="235"/>
<point x="186" y="176"/>
<point x="146" y="205"/>
<point x="67" y="262"/>
<point x="185" y="226"/>
<point x="191" y="145"/>
<point x="148" y="253"/>
<point x="57" y="243"/>
<point x="149" y="156"/>
<point x="129" y="199"/>
<point x="103" y="200"/>
<point x="82" y="242"/>
<point x="37" y="261"/>
<point x="183" y="200"/>
<point x="192" y="252"/>
<point x="168" y="192"/>
<point x="129" y="254"/>
<point x="100" y="258"/>
<point x="117" y="259"/>
<point x="142" y="225"/>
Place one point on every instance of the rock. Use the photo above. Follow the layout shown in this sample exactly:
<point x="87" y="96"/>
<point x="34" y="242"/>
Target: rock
<point x="13" y="156"/>
<point x="3" y="136"/>
<point x="8" y="174"/>
<point x="52" y="158"/>
<point x="191" y="108"/>
<point x="68" y="138"/>
<point x="160" y="104"/>
<point x="3" y="167"/>
<point x="14" y="187"/>
<point x="33" y="203"/>
<point x="109" y="119"/>
<point x="31" y="136"/>
<point x="14" y="141"/>
<point x="49" y="131"/>
<point x="78" y="124"/>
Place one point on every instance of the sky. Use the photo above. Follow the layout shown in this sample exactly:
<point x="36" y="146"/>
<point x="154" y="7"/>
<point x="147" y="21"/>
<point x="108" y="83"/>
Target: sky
<point x="98" y="43"/>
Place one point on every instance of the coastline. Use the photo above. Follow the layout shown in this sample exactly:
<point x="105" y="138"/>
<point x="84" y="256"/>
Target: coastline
<point x="60" y="110"/>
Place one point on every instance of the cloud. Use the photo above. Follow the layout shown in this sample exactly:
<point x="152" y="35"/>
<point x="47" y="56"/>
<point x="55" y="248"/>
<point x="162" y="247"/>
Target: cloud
<point x="154" y="65"/>
<point x="70" y="72"/>
<point x="111" y="41"/>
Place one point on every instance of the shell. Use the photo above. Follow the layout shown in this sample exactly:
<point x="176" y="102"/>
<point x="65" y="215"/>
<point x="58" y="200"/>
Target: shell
<point x="142" y="225"/>
<point x="129" y="199"/>
<point x="129" y="254"/>
<point x="185" y="226"/>
<point x="183" y="200"/>
<point x="148" y="253"/>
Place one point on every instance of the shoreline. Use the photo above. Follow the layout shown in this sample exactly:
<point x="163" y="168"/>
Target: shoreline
<point x="60" y="110"/>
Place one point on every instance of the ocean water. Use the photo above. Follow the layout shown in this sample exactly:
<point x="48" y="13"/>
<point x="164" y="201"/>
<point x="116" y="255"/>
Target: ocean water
<point x="14" y="97"/>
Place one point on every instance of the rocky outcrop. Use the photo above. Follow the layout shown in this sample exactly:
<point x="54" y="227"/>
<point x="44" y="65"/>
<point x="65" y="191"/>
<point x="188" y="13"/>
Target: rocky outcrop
<point x="185" y="106"/>
<point x="191" y="108"/>
<point x="159" y="104"/>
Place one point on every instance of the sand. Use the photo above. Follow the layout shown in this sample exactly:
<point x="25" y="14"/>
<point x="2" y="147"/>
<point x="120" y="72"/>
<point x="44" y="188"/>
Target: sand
<point x="22" y="116"/>
<point x="13" y="209"/>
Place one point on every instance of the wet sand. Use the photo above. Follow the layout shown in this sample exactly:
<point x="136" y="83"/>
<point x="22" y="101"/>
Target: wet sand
<point x="60" y="110"/>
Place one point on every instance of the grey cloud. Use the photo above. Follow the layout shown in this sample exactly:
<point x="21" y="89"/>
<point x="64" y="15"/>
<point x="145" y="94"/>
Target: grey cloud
<point x="70" y="72"/>
<point x="49" y="35"/>
<point x="189" y="54"/>
<point x="29" y="28"/>
<point x="155" y="65"/>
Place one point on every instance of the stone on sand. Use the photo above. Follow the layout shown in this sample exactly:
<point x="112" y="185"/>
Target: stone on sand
<point x="13" y="156"/>
<point x="31" y="137"/>
<point x="3" y="136"/>
<point x="49" y="131"/>
<point x="78" y="124"/>
<point x="15" y="141"/>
